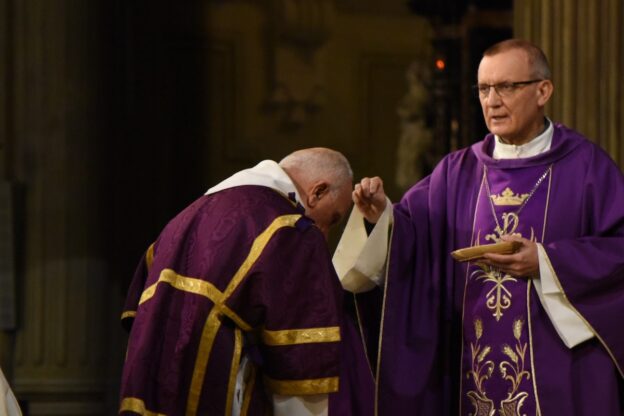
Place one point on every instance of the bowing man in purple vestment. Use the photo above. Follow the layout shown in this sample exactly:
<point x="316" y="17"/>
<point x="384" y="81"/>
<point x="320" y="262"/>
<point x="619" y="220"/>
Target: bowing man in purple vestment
<point x="534" y="332"/>
<point x="236" y="308"/>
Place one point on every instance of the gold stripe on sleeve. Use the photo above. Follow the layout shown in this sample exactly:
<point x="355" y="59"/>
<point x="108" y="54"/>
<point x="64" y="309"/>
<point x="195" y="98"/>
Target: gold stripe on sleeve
<point x="302" y="387"/>
<point x="132" y="404"/>
<point x="213" y="323"/>
<point x="186" y="284"/>
<point x="196" y="286"/>
<point x="128" y="314"/>
<point x="149" y="256"/>
<point x="258" y="246"/>
<point x="301" y="336"/>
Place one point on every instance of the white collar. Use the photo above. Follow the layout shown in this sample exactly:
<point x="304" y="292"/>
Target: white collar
<point x="538" y="145"/>
<point x="266" y="173"/>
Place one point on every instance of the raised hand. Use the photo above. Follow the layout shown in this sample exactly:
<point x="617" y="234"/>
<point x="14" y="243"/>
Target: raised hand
<point x="370" y="198"/>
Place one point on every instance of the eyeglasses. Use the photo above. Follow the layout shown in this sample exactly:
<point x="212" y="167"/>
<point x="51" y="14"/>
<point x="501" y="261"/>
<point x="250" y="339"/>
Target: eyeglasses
<point x="503" y="89"/>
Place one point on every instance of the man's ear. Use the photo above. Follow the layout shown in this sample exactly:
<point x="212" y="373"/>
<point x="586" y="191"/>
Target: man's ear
<point x="544" y="90"/>
<point x="317" y="191"/>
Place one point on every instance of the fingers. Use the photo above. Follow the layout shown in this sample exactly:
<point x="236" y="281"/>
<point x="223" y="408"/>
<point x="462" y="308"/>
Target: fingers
<point x="370" y="198"/>
<point x="369" y="191"/>
<point x="501" y="259"/>
<point x="523" y="263"/>
<point x="369" y="187"/>
<point x="514" y="237"/>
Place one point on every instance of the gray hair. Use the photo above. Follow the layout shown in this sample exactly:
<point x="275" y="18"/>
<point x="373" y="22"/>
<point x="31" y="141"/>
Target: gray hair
<point x="320" y="163"/>
<point x="537" y="59"/>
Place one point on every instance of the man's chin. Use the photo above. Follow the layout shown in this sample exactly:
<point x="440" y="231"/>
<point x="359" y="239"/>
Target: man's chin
<point x="498" y="129"/>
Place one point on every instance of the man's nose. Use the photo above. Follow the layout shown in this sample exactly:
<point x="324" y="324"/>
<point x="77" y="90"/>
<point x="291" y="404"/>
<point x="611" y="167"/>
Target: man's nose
<point x="492" y="97"/>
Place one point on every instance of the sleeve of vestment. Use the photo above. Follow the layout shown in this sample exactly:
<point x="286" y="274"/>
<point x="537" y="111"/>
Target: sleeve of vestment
<point x="137" y="285"/>
<point x="589" y="269"/>
<point x="571" y="328"/>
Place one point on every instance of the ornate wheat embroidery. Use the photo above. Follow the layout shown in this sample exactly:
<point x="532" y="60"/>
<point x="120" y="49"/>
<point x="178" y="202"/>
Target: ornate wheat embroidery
<point x="513" y="371"/>
<point x="481" y="371"/>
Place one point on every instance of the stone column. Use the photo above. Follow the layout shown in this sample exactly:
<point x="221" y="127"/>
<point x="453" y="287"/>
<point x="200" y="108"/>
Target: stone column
<point x="585" y="44"/>
<point x="58" y="110"/>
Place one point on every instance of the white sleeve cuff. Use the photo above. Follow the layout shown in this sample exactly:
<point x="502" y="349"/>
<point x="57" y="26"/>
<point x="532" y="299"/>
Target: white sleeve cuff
<point x="360" y="259"/>
<point x="571" y="328"/>
<point x="313" y="405"/>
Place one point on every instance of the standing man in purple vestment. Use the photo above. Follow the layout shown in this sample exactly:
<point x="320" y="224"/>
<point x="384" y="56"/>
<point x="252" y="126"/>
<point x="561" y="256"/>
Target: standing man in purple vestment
<point x="534" y="332"/>
<point x="236" y="308"/>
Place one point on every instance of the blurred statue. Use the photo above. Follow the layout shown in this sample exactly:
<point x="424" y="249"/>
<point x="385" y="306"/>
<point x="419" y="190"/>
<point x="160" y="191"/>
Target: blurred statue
<point x="414" y="156"/>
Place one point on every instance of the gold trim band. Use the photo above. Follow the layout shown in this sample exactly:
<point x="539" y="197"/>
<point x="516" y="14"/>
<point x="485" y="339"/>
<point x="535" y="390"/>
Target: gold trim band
<point x="132" y="404"/>
<point x="301" y="336"/>
<point x="186" y="284"/>
<point x="149" y="256"/>
<point x="302" y="387"/>
<point x="213" y="322"/>
<point x="258" y="247"/>
<point x="234" y="368"/>
<point x="211" y="327"/>
<point x="128" y="314"/>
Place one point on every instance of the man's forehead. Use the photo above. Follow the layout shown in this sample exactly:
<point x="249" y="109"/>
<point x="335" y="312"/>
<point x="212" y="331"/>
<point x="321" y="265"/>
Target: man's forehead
<point x="509" y="65"/>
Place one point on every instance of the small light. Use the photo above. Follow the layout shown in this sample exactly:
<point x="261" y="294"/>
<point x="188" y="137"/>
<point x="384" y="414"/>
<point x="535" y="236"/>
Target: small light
<point x="440" y="64"/>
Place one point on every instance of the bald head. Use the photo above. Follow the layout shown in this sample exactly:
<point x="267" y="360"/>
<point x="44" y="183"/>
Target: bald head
<point x="323" y="178"/>
<point x="318" y="163"/>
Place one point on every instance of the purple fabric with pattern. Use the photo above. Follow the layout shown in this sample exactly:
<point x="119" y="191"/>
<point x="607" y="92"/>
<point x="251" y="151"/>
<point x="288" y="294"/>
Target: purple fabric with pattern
<point x="291" y="285"/>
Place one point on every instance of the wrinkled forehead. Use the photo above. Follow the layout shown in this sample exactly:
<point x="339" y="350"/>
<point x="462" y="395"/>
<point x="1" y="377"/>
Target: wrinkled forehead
<point x="508" y="66"/>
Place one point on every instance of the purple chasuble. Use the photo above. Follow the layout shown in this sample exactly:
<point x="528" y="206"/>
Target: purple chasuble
<point x="496" y="342"/>
<point x="241" y="272"/>
<point x="465" y="339"/>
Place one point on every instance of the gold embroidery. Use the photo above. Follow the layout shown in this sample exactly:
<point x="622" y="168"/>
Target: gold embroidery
<point x="133" y="404"/>
<point x="514" y="372"/>
<point x="499" y="297"/>
<point x="510" y="224"/>
<point x="466" y="280"/>
<point x="301" y="336"/>
<point x="507" y="197"/>
<point x="511" y="370"/>
<point x="480" y="372"/>
<point x="302" y="387"/>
